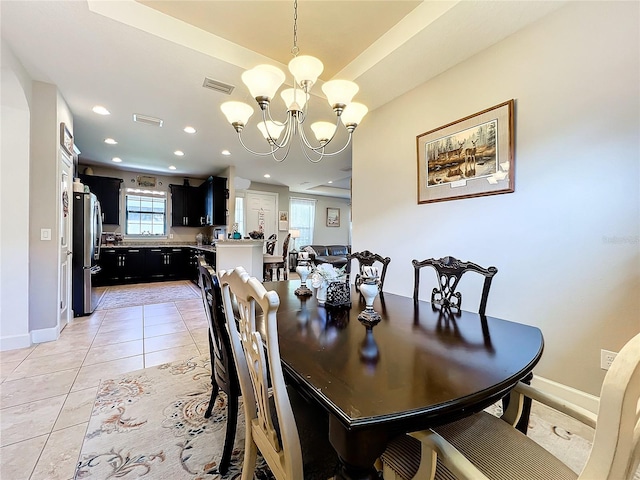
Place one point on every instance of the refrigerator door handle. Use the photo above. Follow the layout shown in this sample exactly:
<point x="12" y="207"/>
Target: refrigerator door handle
<point x="98" y="239"/>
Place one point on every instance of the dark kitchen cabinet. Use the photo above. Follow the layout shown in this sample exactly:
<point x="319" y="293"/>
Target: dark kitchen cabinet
<point x="214" y="191"/>
<point x="107" y="190"/>
<point x="121" y="265"/>
<point x="187" y="206"/>
<point x="166" y="263"/>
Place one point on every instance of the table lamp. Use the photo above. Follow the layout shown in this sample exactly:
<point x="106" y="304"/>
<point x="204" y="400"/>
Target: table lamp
<point x="294" y="234"/>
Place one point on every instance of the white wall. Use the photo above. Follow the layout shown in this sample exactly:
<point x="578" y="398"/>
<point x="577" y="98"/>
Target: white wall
<point x="567" y="242"/>
<point x="15" y="95"/>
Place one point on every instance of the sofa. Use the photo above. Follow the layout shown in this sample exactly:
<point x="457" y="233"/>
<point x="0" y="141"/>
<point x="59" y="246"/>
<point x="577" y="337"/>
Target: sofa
<point x="336" y="255"/>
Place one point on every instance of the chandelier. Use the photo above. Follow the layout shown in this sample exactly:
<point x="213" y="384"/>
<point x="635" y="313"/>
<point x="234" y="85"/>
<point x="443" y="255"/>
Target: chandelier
<point x="263" y="81"/>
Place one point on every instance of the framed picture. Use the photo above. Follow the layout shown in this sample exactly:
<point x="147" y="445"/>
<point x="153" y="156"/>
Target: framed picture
<point x="283" y="220"/>
<point x="467" y="158"/>
<point x="146" y="181"/>
<point x="66" y="139"/>
<point x="333" y="217"/>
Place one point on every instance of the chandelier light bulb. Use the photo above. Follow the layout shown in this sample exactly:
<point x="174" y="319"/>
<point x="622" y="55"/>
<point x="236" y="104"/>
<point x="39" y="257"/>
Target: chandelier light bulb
<point x="237" y="113"/>
<point x="340" y="92"/>
<point x="263" y="81"/>
<point x="290" y="95"/>
<point x="306" y="70"/>
<point x="353" y="114"/>
<point x="272" y="130"/>
<point x="323" y="130"/>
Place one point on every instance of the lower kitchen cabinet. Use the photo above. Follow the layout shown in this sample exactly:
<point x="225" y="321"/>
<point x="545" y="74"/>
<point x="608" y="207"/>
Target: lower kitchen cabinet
<point x="121" y="265"/>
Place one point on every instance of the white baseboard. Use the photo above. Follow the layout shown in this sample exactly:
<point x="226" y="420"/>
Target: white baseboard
<point x="570" y="394"/>
<point x="45" y="335"/>
<point x="14" y="342"/>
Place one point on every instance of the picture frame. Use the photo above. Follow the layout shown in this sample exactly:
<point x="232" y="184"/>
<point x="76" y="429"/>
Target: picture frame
<point x="283" y="220"/>
<point x="146" y="181"/>
<point x="66" y="139"/>
<point x="333" y="217"/>
<point x="471" y="157"/>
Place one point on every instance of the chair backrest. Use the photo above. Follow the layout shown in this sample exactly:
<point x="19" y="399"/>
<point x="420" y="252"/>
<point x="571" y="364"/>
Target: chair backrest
<point x="222" y="355"/>
<point x="257" y="360"/>
<point x="271" y="243"/>
<point x="449" y="271"/>
<point x="285" y="248"/>
<point x="367" y="259"/>
<point x="616" y="446"/>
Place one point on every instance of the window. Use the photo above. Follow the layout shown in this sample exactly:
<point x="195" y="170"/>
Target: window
<point x="240" y="214"/>
<point x="303" y="216"/>
<point x="145" y="212"/>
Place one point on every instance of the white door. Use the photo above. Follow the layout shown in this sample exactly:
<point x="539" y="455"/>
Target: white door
<point x="260" y="208"/>
<point x="65" y="196"/>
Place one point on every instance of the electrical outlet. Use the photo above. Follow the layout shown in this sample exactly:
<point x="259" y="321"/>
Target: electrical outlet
<point x="606" y="359"/>
<point x="170" y="236"/>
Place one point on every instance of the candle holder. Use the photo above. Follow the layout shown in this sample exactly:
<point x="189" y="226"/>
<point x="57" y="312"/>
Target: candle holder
<point x="304" y="270"/>
<point x="369" y="289"/>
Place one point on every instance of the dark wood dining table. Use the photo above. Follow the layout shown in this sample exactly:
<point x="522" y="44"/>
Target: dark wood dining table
<point x="418" y="368"/>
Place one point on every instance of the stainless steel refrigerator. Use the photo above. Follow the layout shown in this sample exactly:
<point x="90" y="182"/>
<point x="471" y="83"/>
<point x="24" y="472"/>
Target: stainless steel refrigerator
<point x="87" y="235"/>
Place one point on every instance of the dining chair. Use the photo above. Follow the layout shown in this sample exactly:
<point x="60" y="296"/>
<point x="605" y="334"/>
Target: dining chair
<point x="368" y="259"/>
<point x="273" y="263"/>
<point x="449" y="271"/>
<point x="291" y="434"/>
<point x="223" y="370"/>
<point x="484" y="446"/>
<point x="271" y="244"/>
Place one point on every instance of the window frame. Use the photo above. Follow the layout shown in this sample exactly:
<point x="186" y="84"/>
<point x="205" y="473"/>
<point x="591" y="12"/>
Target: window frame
<point x="155" y="196"/>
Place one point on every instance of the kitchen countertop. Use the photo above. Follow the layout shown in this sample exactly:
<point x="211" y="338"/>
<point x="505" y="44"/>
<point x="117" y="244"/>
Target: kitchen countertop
<point x="208" y="248"/>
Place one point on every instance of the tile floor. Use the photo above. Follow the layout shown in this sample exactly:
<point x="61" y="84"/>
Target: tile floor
<point x="47" y="390"/>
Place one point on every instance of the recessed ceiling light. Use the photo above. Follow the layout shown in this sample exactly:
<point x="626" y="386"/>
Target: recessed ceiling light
<point x="266" y="175"/>
<point x="225" y="152"/>
<point x="110" y="141"/>
<point x="117" y="159"/>
<point x="172" y="167"/>
<point x="100" y="110"/>
<point x="330" y="181"/>
<point x="179" y="153"/>
<point x="189" y="129"/>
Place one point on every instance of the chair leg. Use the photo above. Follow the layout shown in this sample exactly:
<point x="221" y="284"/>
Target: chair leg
<point x="229" y="440"/>
<point x="250" y="456"/>
<point x="212" y="401"/>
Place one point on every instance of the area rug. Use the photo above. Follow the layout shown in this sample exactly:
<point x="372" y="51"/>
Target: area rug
<point x="120" y="296"/>
<point x="150" y="423"/>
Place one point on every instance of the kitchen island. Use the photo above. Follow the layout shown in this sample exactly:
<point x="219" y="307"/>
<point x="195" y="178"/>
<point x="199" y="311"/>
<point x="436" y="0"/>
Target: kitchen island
<point x="246" y="252"/>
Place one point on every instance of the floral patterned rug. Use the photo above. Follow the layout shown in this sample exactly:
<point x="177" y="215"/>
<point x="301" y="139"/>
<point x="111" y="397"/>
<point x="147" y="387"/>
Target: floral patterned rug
<point x="119" y="296"/>
<point x="150" y="423"/>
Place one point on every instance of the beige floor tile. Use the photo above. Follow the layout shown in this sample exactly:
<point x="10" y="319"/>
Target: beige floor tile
<point x="159" y="309"/>
<point x="108" y="338"/>
<point x="25" y="390"/>
<point x="109" y="326"/>
<point x="203" y="348"/>
<point x="18" y="459"/>
<point x="193" y="314"/>
<point x="196" y="323"/>
<point x="187" y="305"/>
<point x="77" y="408"/>
<point x="170" y="355"/>
<point x="91" y="375"/>
<point x="6" y="368"/>
<point x="124" y="313"/>
<point x="163" y="342"/>
<point x="106" y="353"/>
<point x="49" y="363"/>
<point x="60" y="455"/>
<point x="164" y="329"/>
<point x="63" y="345"/>
<point x="161" y="319"/>
<point x="200" y="335"/>
<point x="15" y="355"/>
<point x="29" y="420"/>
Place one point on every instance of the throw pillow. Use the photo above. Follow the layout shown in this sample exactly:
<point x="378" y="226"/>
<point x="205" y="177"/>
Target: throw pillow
<point x="309" y="249"/>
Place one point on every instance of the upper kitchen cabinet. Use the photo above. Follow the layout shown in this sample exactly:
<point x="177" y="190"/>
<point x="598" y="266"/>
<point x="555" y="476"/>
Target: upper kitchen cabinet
<point x="214" y="191"/>
<point x="107" y="189"/>
<point x="187" y="206"/>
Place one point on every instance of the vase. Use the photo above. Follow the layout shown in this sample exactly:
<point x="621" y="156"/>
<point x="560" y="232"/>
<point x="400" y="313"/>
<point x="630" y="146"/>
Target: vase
<point x="303" y="269"/>
<point x="369" y="289"/>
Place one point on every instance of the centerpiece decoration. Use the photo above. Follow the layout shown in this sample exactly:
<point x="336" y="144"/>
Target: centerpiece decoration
<point x="322" y="276"/>
<point x="369" y="289"/>
<point x="303" y="269"/>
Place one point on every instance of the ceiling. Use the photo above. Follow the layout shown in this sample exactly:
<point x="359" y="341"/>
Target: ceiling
<point x="151" y="58"/>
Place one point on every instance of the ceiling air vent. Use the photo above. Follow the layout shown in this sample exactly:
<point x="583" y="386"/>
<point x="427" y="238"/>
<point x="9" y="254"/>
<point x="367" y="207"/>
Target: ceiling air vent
<point x="217" y="86"/>
<point x="147" y="120"/>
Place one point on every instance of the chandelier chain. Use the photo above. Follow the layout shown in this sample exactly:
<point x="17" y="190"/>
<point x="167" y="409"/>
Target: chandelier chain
<point x="295" y="48"/>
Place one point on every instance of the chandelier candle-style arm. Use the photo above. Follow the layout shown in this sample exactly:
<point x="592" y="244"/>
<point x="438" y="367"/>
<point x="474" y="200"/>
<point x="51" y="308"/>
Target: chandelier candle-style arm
<point x="263" y="82"/>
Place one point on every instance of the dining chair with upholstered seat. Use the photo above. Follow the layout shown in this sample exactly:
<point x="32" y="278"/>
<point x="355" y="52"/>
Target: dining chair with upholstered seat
<point x="483" y="446"/>
<point x="275" y="263"/>
<point x="449" y="271"/>
<point x="291" y="434"/>
<point x="270" y="245"/>
<point x="369" y="259"/>
<point x="223" y="370"/>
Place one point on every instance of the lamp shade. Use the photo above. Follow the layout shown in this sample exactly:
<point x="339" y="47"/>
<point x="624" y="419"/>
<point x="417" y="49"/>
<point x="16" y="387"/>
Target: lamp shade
<point x="323" y="130"/>
<point x="271" y="129"/>
<point x="353" y="114"/>
<point x="306" y="68"/>
<point x="263" y="80"/>
<point x="295" y="233"/>
<point x="290" y="95"/>
<point x="340" y="92"/>
<point x="236" y="112"/>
